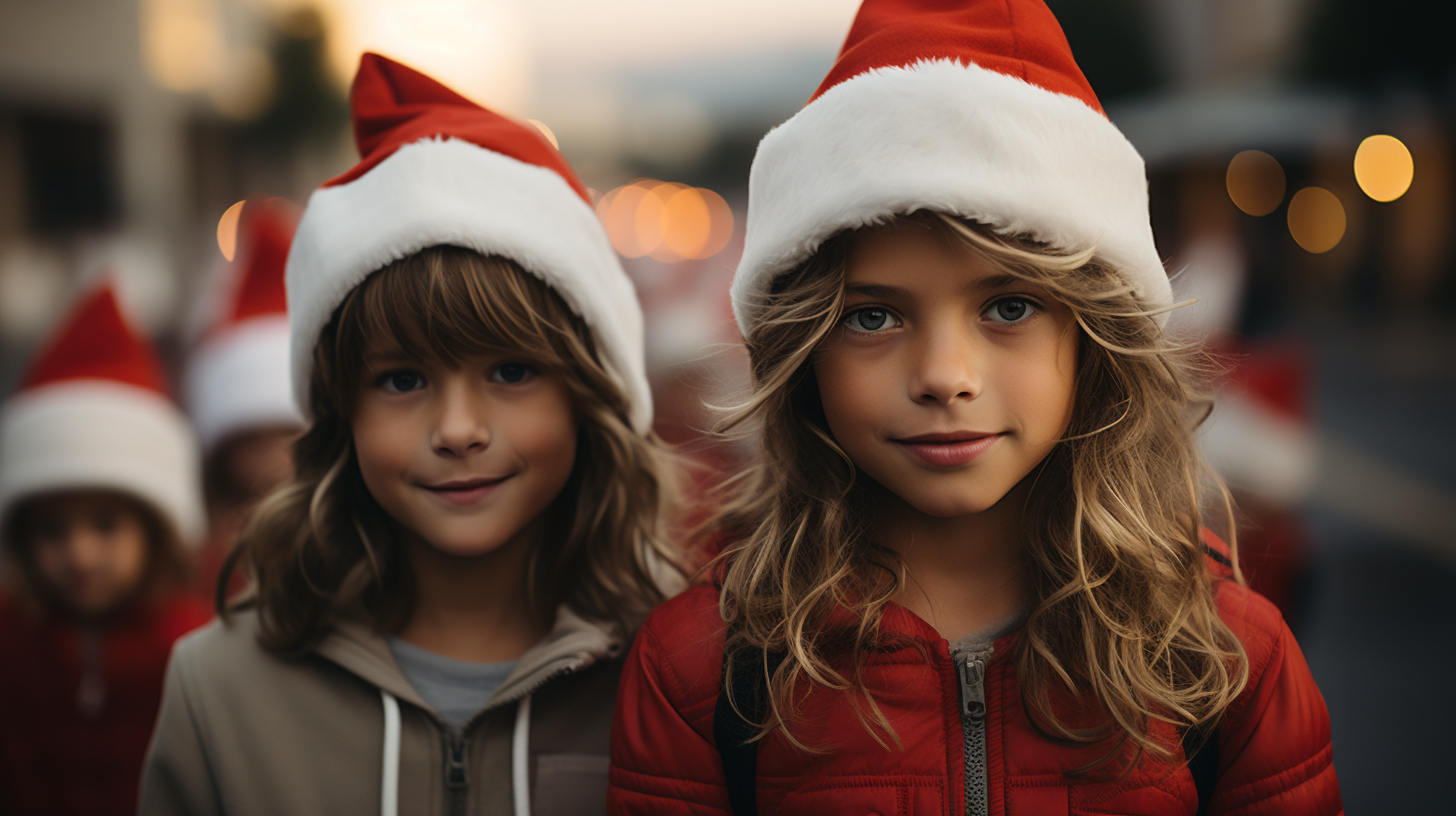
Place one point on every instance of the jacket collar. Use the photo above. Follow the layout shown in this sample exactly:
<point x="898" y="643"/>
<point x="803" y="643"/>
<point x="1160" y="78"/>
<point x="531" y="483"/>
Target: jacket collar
<point x="572" y="644"/>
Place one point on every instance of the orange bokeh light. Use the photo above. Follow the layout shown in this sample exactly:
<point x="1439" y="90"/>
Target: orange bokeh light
<point x="1255" y="182"/>
<point x="1316" y="219"/>
<point x="1384" y="168"/>
<point x="665" y="220"/>
<point x="227" y="230"/>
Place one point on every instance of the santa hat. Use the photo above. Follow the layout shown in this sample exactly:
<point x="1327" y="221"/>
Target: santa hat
<point x="238" y="375"/>
<point x="94" y="412"/>
<point x="439" y="169"/>
<point x="975" y="109"/>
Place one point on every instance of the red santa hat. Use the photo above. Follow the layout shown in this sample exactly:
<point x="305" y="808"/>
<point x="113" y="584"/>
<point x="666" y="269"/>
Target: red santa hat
<point x="973" y="108"/>
<point x="439" y="169"/>
<point x="94" y="412"/>
<point x="238" y="375"/>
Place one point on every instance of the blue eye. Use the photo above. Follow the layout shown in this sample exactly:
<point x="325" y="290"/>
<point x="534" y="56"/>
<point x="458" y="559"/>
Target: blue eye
<point x="512" y="373"/>
<point x="870" y="320"/>
<point x="400" y="382"/>
<point x="1011" y="311"/>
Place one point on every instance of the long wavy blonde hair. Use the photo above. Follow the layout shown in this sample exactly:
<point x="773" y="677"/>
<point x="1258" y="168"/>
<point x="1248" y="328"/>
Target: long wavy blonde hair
<point x="1123" y="602"/>
<point x="321" y="547"/>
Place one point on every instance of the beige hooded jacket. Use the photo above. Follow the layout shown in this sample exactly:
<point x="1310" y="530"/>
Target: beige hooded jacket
<point x="341" y="731"/>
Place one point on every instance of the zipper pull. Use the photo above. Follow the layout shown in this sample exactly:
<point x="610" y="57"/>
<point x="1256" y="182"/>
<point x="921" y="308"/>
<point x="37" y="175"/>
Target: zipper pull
<point x="972" y="672"/>
<point x="456" y="769"/>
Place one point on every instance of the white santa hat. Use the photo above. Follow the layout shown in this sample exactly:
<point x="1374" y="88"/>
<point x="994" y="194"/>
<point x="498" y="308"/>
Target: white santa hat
<point x="237" y="377"/>
<point x="975" y="109"/>
<point x="94" y="412"/>
<point x="439" y="169"/>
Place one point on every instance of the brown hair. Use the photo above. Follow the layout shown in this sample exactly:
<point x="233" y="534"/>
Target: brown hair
<point x="1123" y="602"/>
<point x="169" y="562"/>
<point x="321" y="547"/>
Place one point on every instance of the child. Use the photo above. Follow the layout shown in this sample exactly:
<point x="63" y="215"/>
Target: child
<point x="238" y="391"/>
<point x="98" y="492"/>
<point x="443" y="593"/>
<point x="970" y="574"/>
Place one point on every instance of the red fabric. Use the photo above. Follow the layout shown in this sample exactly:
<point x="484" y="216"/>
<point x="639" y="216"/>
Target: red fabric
<point x="1275" y="752"/>
<point x="267" y="228"/>
<point x="96" y="343"/>
<point x="54" y="759"/>
<point x="1019" y="38"/>
<point x="394" y="105"/>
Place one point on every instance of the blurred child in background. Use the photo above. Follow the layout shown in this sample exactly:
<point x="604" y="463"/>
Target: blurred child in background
<point x="443" y="593"/>
<point x="238" y="391"/>
<point x="99" y="499"/>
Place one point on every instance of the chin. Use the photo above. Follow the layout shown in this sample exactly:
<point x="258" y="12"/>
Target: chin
<point x="952" y="507"/>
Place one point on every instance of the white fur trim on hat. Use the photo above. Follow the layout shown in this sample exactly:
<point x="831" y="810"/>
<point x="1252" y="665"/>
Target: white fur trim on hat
<point x="80" y="434"/>
<point x="448" y="191"/>
<point x="955" y="138"/>
<point x="239" y="380"/>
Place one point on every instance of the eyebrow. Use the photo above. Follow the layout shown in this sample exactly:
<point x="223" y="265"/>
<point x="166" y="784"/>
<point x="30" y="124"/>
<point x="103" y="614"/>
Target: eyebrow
<point x="884" y="290"/>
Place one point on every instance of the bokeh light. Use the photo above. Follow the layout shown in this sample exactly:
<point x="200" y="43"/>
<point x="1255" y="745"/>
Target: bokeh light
<point x="666" y="221"/>
<point x="1255" y="182"/>
<point x="1384" y="168"/>
<point x="227" y="230"/>
<point x="545" y="131"/>
<point x="182" y="42"/>
<point x="1316" y="219"/>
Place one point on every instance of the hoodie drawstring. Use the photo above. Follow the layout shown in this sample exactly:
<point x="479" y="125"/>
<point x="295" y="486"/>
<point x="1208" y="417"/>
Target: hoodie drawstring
<point x="520" y="755"/>
<point x="389" y="787"/>
<point x="520" y="765"/>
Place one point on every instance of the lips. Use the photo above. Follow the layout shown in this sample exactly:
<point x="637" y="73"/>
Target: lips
<point x="948" y="449"/>
<point x="465" y="491"/>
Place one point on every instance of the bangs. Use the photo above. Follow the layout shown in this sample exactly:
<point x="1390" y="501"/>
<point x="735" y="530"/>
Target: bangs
<point x="444" y="304"/>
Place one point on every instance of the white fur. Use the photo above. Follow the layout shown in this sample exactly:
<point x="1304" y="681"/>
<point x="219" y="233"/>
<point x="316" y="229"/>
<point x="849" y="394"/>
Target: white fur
<point x="102" y="434"/>
<point x="239" y="380"/>
<point x="955" y="138"/>
<point x="448" y="191"/>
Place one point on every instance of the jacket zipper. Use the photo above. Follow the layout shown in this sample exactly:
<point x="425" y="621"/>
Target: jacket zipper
<point x="457" y="773"/>
<point x="971" y="670"/>
<point x="457" y="763"/>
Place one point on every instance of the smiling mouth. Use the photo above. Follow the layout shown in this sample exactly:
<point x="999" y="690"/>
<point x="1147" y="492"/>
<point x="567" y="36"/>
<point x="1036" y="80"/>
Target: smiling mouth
<point x="465" y="491"/>
<point x="948" y="449"/>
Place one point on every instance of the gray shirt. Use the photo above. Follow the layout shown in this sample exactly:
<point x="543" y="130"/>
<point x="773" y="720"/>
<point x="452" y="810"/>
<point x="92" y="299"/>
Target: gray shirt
<point x="455" y="689"/>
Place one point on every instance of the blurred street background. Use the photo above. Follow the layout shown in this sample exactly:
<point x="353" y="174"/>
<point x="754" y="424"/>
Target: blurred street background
<point x="1300" y="159"/>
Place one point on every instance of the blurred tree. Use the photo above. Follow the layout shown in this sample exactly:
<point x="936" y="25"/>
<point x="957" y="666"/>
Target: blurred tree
<point x="306" y="103"/>
<point x="1364" y="46"/>
<point x="1112" y="43"/>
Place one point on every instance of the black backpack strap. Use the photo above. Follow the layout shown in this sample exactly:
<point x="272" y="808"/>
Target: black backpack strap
<point x="1200" y="748"/>
<point x="734" y="731"/>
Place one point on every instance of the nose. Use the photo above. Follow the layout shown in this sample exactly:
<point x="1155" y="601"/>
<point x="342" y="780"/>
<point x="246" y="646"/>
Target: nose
<point x="462" y="426"/>
<point x="947" y="367"/>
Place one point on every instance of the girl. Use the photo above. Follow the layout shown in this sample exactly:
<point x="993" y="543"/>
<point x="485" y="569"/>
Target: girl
<point x="98" y="493"/>
<point x="443" y="592"/>
<point x="969" y="572"/>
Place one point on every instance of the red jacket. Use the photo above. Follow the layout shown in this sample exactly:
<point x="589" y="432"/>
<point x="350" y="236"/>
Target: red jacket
<point x="56" y="758"/>
<point x="1275" y="755"/>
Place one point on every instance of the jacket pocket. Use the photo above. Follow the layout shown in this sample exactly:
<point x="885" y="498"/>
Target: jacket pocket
<point x="569" y="784"/>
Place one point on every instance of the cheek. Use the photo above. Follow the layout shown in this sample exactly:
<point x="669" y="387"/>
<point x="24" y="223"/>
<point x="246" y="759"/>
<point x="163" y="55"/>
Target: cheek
<point x="128" y="555"/>
<point x="51" y="558"/>
<point x="850" y="393"/>
<point x="544" y="432"/>
<point x="381" y="443"/>
<point x="1050" y="392"/>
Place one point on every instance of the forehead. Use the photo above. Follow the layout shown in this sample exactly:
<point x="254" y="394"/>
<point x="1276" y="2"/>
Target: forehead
<point x="915" y="257"/>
